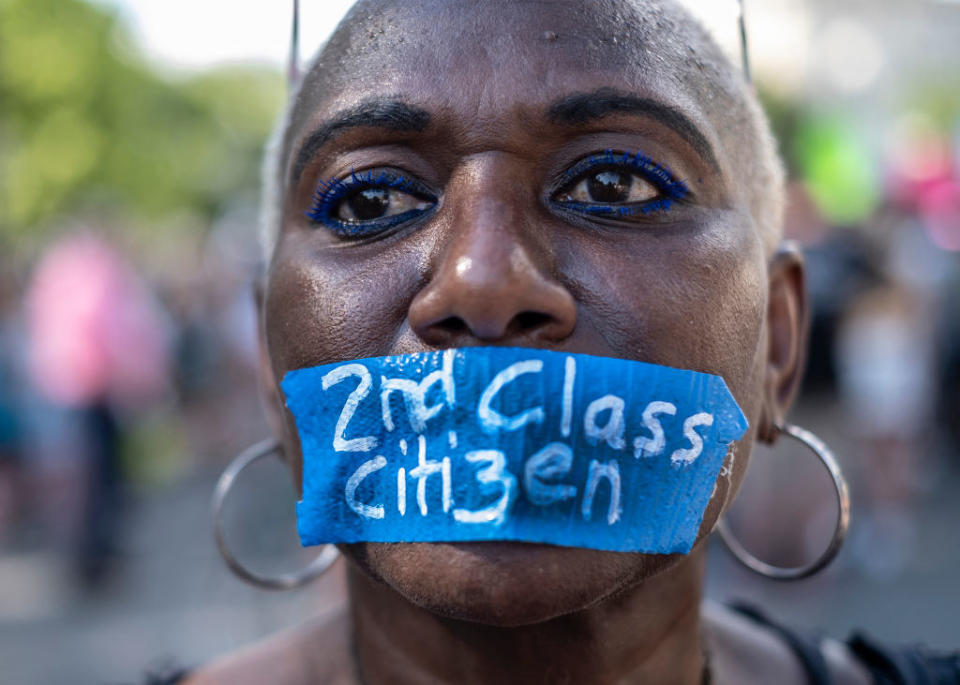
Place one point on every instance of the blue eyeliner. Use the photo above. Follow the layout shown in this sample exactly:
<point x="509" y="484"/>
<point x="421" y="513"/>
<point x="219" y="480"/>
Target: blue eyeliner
<point x="672" y="189"/>
<point x="331" y="192"/>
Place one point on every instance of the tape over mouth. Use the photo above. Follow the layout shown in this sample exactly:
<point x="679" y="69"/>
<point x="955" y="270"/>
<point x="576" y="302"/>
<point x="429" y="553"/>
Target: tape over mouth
<point x="509" y="444"/>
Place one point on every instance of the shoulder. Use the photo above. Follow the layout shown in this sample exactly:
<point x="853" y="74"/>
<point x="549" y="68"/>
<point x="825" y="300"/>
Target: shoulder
<point x="750" y="647"/>
<point x="747" y="648"/>
<point x="317" y="651"/>
<point x="906" y="664"/>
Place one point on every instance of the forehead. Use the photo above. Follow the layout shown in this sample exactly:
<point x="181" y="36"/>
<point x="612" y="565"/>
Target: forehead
<point x="482" y="38"/>
<point x="499" y="60"/>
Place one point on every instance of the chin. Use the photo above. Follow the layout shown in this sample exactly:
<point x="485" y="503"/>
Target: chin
<point x="504" y="584"/>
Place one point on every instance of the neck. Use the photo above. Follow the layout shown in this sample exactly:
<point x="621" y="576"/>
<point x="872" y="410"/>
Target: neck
<point x="647" y="634"/>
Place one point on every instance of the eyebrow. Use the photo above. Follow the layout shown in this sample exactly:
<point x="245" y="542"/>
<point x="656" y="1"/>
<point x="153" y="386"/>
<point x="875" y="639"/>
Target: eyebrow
<point x="581" y="108"/>
<point x="393" y="115"/>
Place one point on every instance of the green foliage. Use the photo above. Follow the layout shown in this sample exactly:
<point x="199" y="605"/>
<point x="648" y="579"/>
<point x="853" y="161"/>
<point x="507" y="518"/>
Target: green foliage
<point x="87" y="126"/>
<point x="838" y="169"/>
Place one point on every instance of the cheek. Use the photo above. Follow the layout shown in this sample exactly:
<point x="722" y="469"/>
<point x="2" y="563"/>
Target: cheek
<point x="327" y="305"/>
<point x="331" y="305"/>
<point x="689" y="302"/>
<point x="696" y="304"/>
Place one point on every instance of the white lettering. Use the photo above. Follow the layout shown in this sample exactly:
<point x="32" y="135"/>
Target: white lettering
<point x="412" y="399"/>
<point x="415" y="395"/>
<point x="688" y="456"/>
<point x="340" y="443"/>
<point x="569" y="374"/>
<point x="495" y="473"/>
<point x="366" y="468"/>
<point x="402" y="491"/>
<point x="612" y="431"/>
<point x="610" y="471"/>
<point x="426" y="468"/>
<point x="490" y="419"/>
<point x="445" y="478"/>
<point x="444" y="376"/>
<point x="550" y="463"/>
<point x="652" y="446"/>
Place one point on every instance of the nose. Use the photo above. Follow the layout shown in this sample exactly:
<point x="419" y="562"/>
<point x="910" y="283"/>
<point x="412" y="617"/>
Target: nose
<point x="492" y="277"/>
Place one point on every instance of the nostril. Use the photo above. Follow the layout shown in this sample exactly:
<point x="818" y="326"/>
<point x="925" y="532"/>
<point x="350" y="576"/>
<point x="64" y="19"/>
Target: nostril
<point x="530" y="321"/>
<point x="454" y="327"/>
<point x="453" y="324"/>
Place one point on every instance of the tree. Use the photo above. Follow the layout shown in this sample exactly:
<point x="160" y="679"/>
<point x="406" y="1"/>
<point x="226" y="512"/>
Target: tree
<point x="87" y="126"/>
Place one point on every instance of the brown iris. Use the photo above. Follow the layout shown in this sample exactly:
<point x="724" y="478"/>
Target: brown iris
<point x="371" y="203"/>
<point x="609" y="186"/>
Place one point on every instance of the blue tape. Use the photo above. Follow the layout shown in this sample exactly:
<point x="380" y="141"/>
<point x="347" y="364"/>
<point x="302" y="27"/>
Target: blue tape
<point x="509" y="444"/>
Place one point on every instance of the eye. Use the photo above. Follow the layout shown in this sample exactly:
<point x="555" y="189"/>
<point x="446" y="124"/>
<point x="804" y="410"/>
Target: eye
<point x="377" y="203"/>
<point x="618" y="184"/>
<point x="610" y="187"/>
<point x="370" y="202"/>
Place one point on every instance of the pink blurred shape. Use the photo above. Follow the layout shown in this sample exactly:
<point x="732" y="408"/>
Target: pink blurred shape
<point x="96" y="332"/>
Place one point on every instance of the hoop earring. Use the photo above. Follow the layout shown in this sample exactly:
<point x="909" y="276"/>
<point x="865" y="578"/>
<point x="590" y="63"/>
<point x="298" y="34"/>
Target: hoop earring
<point x="286" y="581"/>
<point x="843" y="520"/>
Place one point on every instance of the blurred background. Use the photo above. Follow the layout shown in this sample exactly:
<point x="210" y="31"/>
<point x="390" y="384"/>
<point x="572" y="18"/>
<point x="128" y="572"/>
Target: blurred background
<point x="130" y="142"/>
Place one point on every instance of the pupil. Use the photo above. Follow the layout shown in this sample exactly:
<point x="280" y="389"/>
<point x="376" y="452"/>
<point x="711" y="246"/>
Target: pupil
<point x="371" y="203"/>
<point x="609" y="186"/>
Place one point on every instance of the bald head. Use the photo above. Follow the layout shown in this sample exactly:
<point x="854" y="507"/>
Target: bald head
<point x="585" y="176"/>
<point x="459" y="46"/>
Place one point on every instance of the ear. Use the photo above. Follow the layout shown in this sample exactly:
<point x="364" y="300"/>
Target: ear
<point x="266" y="379"/>
<point x="787" y="330"/>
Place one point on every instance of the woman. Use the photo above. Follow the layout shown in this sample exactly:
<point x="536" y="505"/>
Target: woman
<point x="429" y="191"/>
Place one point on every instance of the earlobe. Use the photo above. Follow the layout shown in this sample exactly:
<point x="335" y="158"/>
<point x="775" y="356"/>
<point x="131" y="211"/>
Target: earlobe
<point x="266" y="379"/>
<point x="787" y="319"/>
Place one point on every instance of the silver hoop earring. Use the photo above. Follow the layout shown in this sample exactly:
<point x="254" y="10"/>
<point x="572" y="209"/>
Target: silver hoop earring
<point x="826" y="457"/>
<point x="286" y="581"/>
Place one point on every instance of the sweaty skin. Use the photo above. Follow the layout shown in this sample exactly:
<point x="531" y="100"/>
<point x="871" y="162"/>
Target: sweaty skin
<point x="493" y="103"/>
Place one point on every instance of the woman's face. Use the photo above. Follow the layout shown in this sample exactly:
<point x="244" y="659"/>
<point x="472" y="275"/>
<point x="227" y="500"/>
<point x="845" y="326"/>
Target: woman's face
<point x="490" y="122"/>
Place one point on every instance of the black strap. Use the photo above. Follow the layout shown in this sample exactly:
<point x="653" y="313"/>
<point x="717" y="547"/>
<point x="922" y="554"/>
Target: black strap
<point x="905" y="665"/>
<point x="167" y="674"/>
<point x="807" y="648"/>
<point x="887" y="665"/>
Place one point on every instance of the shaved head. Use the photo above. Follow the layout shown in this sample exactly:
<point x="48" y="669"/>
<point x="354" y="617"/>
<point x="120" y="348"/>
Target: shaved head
<point x="440" y="37"/>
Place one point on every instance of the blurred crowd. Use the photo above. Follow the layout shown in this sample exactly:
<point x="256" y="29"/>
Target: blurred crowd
<point x="118" y="374"/>
<point x="883" y="366"/>
<point x="128" y="329"/>
<point x="885" y="338"/>
<point x="124" y="370"/>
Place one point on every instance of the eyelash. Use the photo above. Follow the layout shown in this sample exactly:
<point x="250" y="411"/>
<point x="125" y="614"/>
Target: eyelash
<point x="331" y="192"/>
<point x="672" y="189"/>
